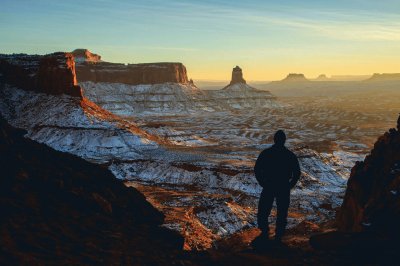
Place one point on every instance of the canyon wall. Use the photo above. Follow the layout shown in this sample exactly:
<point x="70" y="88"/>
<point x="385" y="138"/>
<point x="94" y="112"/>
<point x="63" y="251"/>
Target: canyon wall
<point x="372" y="199"/>
<point x="51" y="74"/>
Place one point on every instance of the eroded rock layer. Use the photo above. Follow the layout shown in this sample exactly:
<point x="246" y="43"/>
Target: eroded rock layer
<point x="51" y="74"/>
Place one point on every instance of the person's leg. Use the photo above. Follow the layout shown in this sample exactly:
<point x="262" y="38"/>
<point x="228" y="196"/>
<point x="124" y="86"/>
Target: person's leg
<point x="264" y="210"/>
<point x="282" y="204"/>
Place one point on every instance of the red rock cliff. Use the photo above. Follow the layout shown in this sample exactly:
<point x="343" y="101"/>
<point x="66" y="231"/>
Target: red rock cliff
<point x="52" y="73"/>
<point x="372" y="199"/>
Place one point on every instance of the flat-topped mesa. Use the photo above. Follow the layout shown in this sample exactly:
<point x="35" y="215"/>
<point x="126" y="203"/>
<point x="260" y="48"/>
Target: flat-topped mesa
<point x="237" y="76"/>
<point x="294" y="77"/>
<point x="51" y="73"/>
<point x="89" y="67"/>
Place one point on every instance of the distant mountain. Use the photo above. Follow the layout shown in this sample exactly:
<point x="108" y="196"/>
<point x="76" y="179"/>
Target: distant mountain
<point x="349" y="77"/>
<point x="384" y="77"/>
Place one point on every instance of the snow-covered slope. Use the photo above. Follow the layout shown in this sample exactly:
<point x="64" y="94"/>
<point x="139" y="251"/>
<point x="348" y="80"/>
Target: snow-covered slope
<point x="63" y="123"/>
<point x="173" y="98"/>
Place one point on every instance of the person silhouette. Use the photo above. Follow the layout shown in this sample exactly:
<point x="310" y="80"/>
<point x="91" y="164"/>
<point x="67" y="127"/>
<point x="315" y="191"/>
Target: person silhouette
<point x="277" y="170"/>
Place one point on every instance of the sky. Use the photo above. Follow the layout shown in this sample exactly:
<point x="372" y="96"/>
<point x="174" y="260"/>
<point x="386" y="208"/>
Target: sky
<point x="267" y="39"/>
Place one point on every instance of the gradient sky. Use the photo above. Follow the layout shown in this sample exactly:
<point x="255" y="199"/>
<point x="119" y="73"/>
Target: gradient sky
<point x="268" y="39"/>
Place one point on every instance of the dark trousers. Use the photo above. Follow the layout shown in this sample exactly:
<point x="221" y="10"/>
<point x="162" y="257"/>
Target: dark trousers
<point x="268" y="195"/>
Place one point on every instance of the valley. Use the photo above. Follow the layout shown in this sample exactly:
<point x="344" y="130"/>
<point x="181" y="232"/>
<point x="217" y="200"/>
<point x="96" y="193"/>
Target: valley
<point x="191" y="152"/>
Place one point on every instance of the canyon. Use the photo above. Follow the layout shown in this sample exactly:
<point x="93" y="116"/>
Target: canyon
<point x="190" y="152"/>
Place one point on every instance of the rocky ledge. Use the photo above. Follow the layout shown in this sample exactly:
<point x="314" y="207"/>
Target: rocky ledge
<point x="51" y="74"/>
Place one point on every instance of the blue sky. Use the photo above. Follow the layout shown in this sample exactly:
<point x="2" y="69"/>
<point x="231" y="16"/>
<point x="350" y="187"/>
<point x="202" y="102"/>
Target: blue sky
<point x="267" y="39"/>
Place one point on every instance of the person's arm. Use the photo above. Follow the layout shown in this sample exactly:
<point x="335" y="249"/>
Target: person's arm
<point x="296" y="172"/>
<point x="259" y="170"/>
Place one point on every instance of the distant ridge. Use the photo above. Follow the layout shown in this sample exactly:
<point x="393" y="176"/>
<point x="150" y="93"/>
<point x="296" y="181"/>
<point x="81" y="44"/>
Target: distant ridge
<point x="384" y="77"/>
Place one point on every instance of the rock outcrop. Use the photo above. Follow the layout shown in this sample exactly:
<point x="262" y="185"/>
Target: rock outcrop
<point x="57" y="208"/>
<point x="84" y="55"/>
<point x="51" y="74"/>
<point x="385" y="77"/>
<point x="372" y="200"/>
<point x="89" y="67"/>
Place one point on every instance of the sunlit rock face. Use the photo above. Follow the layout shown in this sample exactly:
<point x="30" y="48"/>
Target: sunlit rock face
<point x="84" y="55"/>
<point x="51" y="74"/>
<point x="372" y="197"/>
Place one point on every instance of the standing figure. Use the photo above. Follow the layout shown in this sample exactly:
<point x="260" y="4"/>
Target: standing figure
<point x="277" y="170"/>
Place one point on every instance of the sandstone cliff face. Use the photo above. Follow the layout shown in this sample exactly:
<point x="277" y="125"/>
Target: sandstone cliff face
<point x="132" y="74"/>
<point x="59" y="209"/>
<point x="51" y="74"/>
<point x="372" y="200"/>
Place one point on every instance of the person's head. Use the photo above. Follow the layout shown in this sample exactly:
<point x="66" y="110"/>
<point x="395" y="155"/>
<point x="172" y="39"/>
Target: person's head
<point x="280" y="138"/>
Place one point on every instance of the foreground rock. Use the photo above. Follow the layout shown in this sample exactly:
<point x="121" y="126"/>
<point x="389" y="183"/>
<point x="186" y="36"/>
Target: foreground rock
<point x="59" y="209"/>
<point x="51" y="74"/>
<point x="372" y="197"/>
<point x="370" y="214"/>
